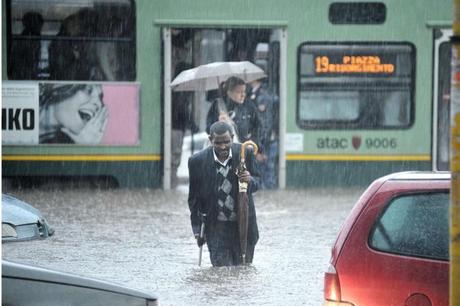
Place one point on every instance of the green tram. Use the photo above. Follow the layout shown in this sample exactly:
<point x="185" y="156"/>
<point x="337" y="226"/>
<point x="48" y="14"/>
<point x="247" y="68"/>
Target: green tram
<point x="363" y="87"/>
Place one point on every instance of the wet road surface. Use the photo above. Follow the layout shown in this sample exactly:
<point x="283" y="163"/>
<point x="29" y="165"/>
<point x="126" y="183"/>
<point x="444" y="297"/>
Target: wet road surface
<point x="143" y="239"/>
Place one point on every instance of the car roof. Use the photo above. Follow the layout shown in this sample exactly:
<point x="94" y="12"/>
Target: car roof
<point x="419" y="175"/>
<point x="18" y="270"/>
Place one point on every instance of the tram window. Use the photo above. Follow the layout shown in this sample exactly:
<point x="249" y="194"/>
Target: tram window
<point x="71" y="40"/>
<point x="355" y="85"/>
<point x="357" y="13"/>
<point x="339" y="105"/>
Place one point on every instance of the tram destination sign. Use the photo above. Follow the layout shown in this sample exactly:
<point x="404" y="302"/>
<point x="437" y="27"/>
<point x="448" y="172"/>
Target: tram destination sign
<point x="355" y="59"/>
<point x="352" y="64"/>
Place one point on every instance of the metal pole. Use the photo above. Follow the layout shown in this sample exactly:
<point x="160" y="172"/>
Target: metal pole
<point x="454" y="272"/>
<point x="282" y="109"/>
<point x="167" y="109"/>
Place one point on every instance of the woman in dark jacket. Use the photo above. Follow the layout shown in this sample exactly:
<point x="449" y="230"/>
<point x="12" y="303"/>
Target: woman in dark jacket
<point x="233" y="108"/>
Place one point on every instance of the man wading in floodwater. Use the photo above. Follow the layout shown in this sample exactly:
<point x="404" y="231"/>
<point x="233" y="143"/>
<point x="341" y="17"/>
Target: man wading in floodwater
<point x="214" y="191"/>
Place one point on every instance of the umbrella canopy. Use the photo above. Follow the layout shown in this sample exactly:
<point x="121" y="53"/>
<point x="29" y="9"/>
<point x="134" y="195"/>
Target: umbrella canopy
<point x="209" y="76"/>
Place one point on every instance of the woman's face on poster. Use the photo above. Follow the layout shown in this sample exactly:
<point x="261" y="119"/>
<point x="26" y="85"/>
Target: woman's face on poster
<point x="74" y="112"/>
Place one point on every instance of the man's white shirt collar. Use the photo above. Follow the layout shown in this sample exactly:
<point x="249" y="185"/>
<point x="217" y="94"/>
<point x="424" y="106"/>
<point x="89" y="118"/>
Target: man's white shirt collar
<point x="225" y="162"/>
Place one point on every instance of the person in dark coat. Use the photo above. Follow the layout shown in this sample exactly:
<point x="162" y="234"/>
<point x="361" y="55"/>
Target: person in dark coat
<point x="233" y="108"/>
<point x="24" y="60"/>
<point x="267" y="105"/>
<point x="71" y="59"/>
<point x="213" y="191"/>
<point x="182" y="120"/>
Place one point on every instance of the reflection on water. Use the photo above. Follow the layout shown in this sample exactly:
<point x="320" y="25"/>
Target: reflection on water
<point x="143" y="239"/>
<point x="223" y="282"/>
<point x="221" y="275"/>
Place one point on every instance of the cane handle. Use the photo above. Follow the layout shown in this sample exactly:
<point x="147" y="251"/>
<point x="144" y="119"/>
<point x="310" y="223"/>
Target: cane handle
<point x="243" y="149"/>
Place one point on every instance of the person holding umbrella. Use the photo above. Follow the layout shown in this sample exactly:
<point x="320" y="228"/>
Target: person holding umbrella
<point x="234" y="109"/>
<point x="213" y="192"/>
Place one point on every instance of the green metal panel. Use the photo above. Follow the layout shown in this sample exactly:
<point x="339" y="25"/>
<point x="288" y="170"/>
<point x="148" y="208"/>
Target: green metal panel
<point x="128" y="174"/>
<point x="343" y="174"/>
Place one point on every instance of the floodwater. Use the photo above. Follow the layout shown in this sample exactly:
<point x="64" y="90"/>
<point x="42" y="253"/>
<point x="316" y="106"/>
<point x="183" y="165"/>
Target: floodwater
<point x="143" y="239"/>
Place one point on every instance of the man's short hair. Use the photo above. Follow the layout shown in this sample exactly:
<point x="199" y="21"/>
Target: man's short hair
<point x="220" y="128"/>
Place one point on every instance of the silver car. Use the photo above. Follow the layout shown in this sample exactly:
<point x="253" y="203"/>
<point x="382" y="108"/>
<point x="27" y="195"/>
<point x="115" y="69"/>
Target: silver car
<point x="29" y="285"/>
<point x="21" y="221"/>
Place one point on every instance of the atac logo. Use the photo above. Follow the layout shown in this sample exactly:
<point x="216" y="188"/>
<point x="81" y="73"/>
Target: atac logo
<point x="338" y="143"/>
<point x="356" y="142"/>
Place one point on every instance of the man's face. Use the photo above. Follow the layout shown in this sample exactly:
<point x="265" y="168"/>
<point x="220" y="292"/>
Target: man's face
<point x="222" y="144"/>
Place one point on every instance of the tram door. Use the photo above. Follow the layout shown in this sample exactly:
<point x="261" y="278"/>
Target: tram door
<point x="441" y="100"/>
<point x="191" y="47"/>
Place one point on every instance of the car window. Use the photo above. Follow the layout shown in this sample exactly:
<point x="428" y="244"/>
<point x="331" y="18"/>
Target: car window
<point x="415" y="225"/>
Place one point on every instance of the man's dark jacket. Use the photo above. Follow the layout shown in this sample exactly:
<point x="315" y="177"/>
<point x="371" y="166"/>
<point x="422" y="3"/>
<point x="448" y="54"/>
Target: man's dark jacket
<point x="203" y="189"/>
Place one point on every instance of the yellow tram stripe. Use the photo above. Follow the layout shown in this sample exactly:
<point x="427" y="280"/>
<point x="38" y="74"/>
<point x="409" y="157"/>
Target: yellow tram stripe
<point x="81" y="157"/>
<point x="358" y="157"/>
<point x="292" y="157"/>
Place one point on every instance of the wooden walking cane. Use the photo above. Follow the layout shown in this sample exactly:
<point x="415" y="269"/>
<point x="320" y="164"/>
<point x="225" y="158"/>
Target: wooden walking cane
<point x="243" y="208"/>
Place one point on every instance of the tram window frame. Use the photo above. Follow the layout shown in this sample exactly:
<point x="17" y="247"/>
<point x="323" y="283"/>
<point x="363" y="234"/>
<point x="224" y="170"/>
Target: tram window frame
<point x="329" y="82"/>
<point x="443" y="105"/>
<point x="118" y="37"/>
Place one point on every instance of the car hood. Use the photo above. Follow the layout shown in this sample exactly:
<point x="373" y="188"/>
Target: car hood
<point x="17" y="212"/>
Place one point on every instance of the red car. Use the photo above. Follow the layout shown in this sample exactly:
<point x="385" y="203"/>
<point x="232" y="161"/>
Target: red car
<point x="393" y="248"/>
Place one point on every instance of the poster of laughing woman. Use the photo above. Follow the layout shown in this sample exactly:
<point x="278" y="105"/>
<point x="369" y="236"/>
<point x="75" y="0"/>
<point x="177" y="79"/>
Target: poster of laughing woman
<point x="70" y="113"/>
